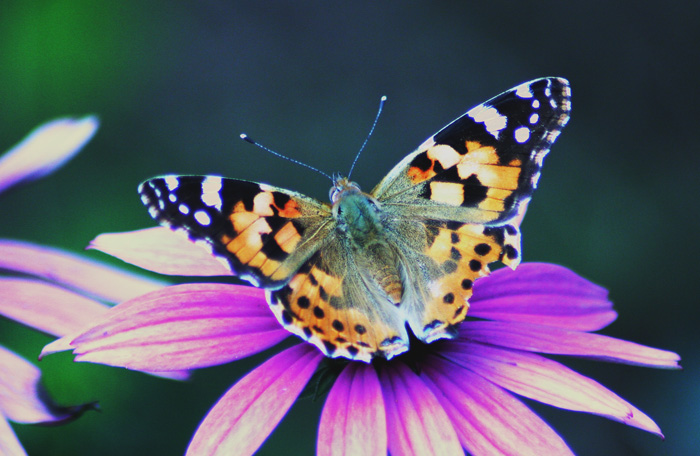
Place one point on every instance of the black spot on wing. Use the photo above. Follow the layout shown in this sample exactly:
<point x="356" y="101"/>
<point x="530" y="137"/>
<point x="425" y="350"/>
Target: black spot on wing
<point x="474" y="191"/>
<point x="422" y="162"/>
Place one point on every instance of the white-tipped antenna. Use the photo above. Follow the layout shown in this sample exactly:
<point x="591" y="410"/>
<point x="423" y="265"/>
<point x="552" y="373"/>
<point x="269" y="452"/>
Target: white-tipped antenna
<point x="247" y="138"/>
<point x="371" y="130"/>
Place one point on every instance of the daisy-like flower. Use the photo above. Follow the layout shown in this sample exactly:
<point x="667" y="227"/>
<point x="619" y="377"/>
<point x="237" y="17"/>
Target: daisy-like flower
<point x="47" y="289"/>
<point x="443" y="398"/>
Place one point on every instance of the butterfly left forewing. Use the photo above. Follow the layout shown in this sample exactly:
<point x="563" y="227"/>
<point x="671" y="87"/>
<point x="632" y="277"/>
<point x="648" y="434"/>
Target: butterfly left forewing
<point x="263" y="233"/>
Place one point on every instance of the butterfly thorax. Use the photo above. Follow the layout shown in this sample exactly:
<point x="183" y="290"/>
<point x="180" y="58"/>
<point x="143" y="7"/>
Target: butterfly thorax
<point x="360" y="221"/>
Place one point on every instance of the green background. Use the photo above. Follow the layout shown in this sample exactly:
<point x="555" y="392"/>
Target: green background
<point x="174" y="84"/>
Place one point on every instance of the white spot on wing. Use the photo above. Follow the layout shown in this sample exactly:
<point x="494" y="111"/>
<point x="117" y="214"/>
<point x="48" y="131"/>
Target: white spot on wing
<point x="211" y="192"/>
<point x="183" y="209"/>
<point x="202" y="218"/>
<point x="522" y="134"/>
<point x="534" y="118"/>
<point x="172" y="198"/>
<point x="523" y="91"/>
<point x="171" y="182"/>
<point x="490" y="117"/>
<point x="535" y="104"/>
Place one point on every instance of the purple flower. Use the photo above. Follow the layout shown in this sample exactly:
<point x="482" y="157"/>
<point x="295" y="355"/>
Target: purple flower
<point x="441" y="398"/>
<point x="48" y="289"/>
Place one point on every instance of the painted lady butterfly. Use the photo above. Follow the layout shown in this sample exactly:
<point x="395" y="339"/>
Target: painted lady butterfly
<point x="350" y="276"/>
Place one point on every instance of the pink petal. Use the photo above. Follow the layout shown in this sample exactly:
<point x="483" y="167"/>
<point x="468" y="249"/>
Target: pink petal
<point x="546" y="339"/>
<point x="243" y="418"/>
<point x="73" y="271"/>
<point x="353" y="420"/>
<point x="163" y="251"/>
<point x="9" y="445"/>
<point x="489" y="420"/>
<point x="546" y="381"/>
<point x="542" y="293"/>
<point x="21" y="398"/>
<point x="46" y="307"/>
<point x="416" y="422"/>
<point x="45" y="149"/>
<point x="182" y="327"/>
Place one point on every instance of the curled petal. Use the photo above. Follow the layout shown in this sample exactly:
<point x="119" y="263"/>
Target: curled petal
<point x="542" y="293"/>
<point x="489" y="420"/>
<point x="163" y="251"/>
<point x="181" y="327"/>
<point x="9" y="445"/>
<point x="246" y="415"/>
<point x="353" y="420"/>
<point x="416" y="421"/>
<point x="546" y="339"/>
<point x="86" y="276"/>
<point x="46" y="307"/>
<point x="22" y="398"/>
<point x="546" y="381"/>
<point x="45" y="149"/>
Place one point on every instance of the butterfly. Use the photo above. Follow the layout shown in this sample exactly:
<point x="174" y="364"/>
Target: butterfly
<point x="355" y="275"/>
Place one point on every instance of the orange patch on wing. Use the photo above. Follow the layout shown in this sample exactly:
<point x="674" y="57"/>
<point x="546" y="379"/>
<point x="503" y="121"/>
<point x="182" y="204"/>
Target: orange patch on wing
<point x="451" y="193"/>
<point x="290" y="209"/>
<point x="242" y="220"/>
<point x="288" y="237"/>
<point x="249" y="241"/>
<point x="444" y="154"/>
<point x="498" y="176"/>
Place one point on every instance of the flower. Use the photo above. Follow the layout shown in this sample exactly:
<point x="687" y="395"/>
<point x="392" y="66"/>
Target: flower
<point x="48" y="289"/>
<point x="441" y="398"/>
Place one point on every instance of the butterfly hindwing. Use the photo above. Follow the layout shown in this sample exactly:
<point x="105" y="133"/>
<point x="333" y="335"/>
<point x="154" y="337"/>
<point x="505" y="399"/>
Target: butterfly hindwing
<point x="328" y="304"/>
<point x="264" y="233"/>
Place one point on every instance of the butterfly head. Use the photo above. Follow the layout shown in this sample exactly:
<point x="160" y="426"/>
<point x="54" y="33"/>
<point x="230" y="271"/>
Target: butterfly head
<point x="342" y="186"/>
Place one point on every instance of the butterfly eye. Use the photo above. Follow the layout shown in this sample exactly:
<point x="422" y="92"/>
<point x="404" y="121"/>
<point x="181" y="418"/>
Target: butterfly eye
<point x="332" y="193"/>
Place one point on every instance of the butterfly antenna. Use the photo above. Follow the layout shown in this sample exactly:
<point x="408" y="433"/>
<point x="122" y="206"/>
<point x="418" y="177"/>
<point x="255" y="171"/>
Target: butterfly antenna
<point x="247" y="138"/>
<point x="371" y="130"/>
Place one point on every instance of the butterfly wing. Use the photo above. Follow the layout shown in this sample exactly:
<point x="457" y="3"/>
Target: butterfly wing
<point x="263" y="233"/>
<point x="468" y="187"/>
<point x="484" y="166"/>
<point x="330" y="305"/>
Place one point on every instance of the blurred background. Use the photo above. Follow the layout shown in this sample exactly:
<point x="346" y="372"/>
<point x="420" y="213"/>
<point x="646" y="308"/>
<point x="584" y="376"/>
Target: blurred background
<point x="175" y="83"/>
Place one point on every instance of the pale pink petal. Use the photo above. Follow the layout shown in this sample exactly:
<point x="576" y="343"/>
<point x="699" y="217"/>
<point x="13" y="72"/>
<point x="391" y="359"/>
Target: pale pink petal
<point x="45" y="149"/>
<point x="353" y="421"/>
<point x="246" y="415"/>
<point x="546" y="339"/>
<point x="546" y="381"/>
<point x="416" y="422"/>
<point x="542" y="293"/>
<point x="46" y="307"/>
<point x="86" y="276"/>
<point x="182" y="327"/>
<point x="163" y="251"/>
<point x="489" y="420"/>
<point x="9" y="445"/>
<point x="21" y="398"/>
